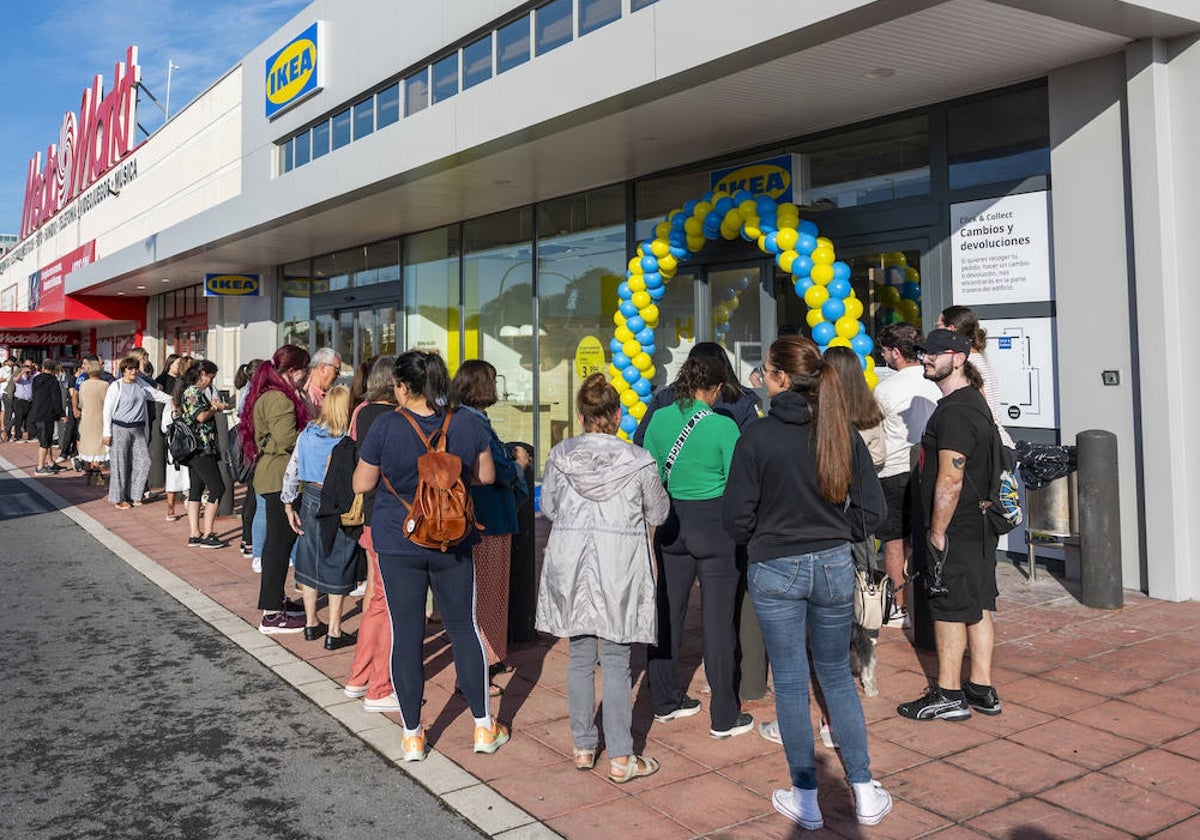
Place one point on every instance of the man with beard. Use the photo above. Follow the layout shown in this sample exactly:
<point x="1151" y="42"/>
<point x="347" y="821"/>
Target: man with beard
<point x="954" y="475"/>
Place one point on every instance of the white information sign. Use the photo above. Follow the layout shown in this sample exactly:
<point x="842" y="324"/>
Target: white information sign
<point x="1000" y="250"/>
<point x="1021" y="351"/>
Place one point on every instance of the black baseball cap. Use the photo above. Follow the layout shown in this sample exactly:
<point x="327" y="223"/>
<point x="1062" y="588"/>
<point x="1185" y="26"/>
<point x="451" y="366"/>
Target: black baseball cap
<point x="945" y="341"/>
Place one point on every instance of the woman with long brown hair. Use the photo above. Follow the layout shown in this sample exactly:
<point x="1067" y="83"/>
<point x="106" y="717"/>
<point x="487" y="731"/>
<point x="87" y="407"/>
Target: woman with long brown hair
<point x="801" y="488"/>
<point x="865" y="414"/>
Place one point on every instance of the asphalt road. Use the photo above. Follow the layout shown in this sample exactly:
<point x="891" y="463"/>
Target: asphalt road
<point x="125" y="716"/>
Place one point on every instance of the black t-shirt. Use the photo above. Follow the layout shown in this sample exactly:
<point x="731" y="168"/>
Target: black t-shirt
<point x="962" y="422"/>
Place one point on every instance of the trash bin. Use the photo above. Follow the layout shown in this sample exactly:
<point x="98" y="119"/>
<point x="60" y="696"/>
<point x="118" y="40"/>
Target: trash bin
<point x="1048" y="472"/>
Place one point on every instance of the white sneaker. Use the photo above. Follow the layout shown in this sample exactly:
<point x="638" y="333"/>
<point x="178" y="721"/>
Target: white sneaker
<point x="800" y="806"/>
<point x="898" y="618"/>
<point x="769" y="730"/>
<point x="391" y="703"/>
<point x="354" y="692"/>
<point x="256" y="565"/>
<point x="359" y="591"/>
<point x="827" y="736"/>
<point x="872" y="802"/>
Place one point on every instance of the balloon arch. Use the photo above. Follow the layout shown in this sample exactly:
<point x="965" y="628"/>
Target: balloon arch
<point x="818" y="276"/>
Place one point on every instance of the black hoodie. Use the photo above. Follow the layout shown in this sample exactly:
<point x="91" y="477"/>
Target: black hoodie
<point x="771" y="500"/>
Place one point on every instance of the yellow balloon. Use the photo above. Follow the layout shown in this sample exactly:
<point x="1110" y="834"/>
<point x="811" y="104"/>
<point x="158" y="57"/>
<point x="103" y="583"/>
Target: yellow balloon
<point x="623" y="333"/>
<point x="719" y="194"/>
<point x="661" y="247"/>
<point x="642" y="361"/>
<point x="732" y="218"/>
<point x="785" y="259"/>
<point x="637" y="283"/>
<point x="693" y="226"/>
<point x="733" y="303"/>
<point x="631" y="348"/>
<point x="641" y="299"/>
<point x="695" y="243"/>
<point x="662" y="230"/>
<point x="638" y="410"/>
<point x="854" y="308"/>
<point x="787" y="221"/>
<point x="786" y="238"/>
<point x="752" y="229"/>
<point x="762" y="242"/>
<point x="618" y="319"/>
<point x="787" y="209"/>
<point x="649" y="373"/>
<point x="815" y="296"/>
<point x="895" y="258"/>
<point x="618" y="381"/>
<point x="667" y="273"/>
<point x="870" y="364"/>
<point x="649" y="313"/>
<point x="667" y="263"/>
<point x="824" y="242"/>
<point x="629" y="397"/>
<point x="846" y="327"/>
<point x="614" y="374"/>
<point x="839" y="342"/>
<point x="635" y="264"/>
<point x="729" y="231"/>
<point x="621" y="434"/>
<point x="814" y="317"/>
<point x="821" y="273"/>
<point x="748" y="208"/>
<point x="872" y="379"/>
<point x="823" y="256"/>
<point x="911" y="274"/>
<point x="703" y="208"/>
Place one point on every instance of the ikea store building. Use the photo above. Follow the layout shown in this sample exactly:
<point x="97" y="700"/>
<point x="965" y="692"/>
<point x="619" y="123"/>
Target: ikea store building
<point x="564" y="186"/>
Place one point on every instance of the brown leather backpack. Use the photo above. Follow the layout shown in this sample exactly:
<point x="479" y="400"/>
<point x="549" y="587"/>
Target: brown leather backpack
<point x="441" y="514"/>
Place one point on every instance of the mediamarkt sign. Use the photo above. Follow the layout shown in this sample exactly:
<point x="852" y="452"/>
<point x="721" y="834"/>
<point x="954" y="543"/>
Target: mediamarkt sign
<point x="104" y="133"/>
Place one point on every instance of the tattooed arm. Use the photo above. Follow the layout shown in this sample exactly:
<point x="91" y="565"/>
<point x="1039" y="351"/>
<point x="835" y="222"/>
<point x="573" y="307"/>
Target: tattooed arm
<point x="951" y="467"/>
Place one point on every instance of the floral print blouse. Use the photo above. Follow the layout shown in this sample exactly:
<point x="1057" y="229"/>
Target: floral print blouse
<point x="195" y="402"/>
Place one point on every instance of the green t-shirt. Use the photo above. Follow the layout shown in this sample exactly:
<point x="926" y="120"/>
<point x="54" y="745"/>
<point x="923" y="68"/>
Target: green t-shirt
<point x="702" y="467"/>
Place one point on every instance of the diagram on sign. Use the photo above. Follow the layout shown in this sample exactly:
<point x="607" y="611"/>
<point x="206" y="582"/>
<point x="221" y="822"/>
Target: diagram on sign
<point x="1021" y="352"/>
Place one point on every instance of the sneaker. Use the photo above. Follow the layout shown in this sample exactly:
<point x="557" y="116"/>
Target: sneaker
<point x="769" y="729"/>
<point x="827" y="736"/>
<point x="247" y="551"/>
<point x="871" y="802"/>
<point x="981" y="698"/>
<point x="354" y="692"/>
<point x="935" y="705"/>
<point x="490" y="740"/>
<point x="54" y="468"/>
<point x="256" y="565"/>
<point x="195" y="542"/>
<point x="276" y="623"/>
<point x="414" y="746"/>
<point x="391" y="703"/>
<point x="898" y="618"/>
<point x="742" y="723"/>
<point x="291" y="607"/>
<point x="43" y="471"/>
<point x="687" y="707"/>
<point x="213" y="541"/>
<point x="800" y="807"/>
<point x="358" y="591"/>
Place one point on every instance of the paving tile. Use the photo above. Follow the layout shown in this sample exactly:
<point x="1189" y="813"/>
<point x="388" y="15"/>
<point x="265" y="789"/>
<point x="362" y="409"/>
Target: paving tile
<point x="1188" y="745"/>
<point x="955" y="832"/>
<point x="1135" y="659"/>
<point x="1049" y="696"/>
<point x="772" y="827"/>
<point x="1134" y="722"/>
<point x="1186" y="830"/>
<point x="1030" y="621"/>
<point x="764" y="774"/>
<point x="555" y="789"/>
<point x="1093" y="675"/>
<point x="1032" y="819"/>
<point x="1013" y="718"/>
<point x="1026" y="657"/>
<point x="907" y="820"/>
<point x="1188" y="681"/>
<point x="950" y="791"/>
<point x="1119" y="804"/>
<point x="888" y="757"/>
<point x="1164" y="615"/>
<point x="1162" y="772"/>
<point x="932" y="739"/>
<point x="1077" y="743"/>
<point x="1016" y="766"/>
<point x="1168" y="699"/>
<point x="621" y="817"/>
<point x="690" y="737"/>
<point x="1183" y="646"/>
<point x="707" y="803"/>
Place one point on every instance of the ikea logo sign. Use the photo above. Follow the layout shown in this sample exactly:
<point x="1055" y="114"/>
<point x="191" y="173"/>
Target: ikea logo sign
<point x="231" y="285"/>
<point x="294" y="72"/>
<point x="771" y="177"/>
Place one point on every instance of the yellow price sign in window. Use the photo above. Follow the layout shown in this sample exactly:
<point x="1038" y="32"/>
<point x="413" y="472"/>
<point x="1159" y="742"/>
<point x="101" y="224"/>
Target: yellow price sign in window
<point x="589" y="357"/>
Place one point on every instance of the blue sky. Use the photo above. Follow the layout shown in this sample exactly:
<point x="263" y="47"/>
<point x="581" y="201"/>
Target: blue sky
<point x="53" y="49"/>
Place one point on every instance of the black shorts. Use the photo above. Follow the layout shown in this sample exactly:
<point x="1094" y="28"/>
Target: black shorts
<point x="44" y="429"/>
<point x="970" y="575"/>
<point x="897" y="492"/>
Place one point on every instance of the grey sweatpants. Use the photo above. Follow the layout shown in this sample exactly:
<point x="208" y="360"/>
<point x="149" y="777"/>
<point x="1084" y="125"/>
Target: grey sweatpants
<point x="129" y="456"/>
<point x="617" y="703"/>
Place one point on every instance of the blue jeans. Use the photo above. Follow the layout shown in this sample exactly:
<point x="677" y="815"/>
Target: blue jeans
<point x="258" y="528"/>
<point x="813" y="591"/>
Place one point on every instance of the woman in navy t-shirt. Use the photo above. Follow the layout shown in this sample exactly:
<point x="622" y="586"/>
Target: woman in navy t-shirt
<point x="391" y="449"/>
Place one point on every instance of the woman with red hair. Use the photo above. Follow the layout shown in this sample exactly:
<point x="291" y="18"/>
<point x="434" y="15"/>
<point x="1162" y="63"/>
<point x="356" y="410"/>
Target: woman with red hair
<point x="274" y="415"/>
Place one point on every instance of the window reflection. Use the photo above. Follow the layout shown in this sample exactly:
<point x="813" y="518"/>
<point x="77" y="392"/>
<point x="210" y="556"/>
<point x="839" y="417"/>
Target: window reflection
<point x="303" y="148"/>
<point x="341" y="129"/>
<point x="1000" y="138"/>
<point x="387" y="103"/>
<point x="596" y="13"/>
<point x="867" y="165"/>
<point x="445" y="78"/>
<point x="477" y="61"/>
<point x="553" y="24"/>
<point x="512" y="44"/>
<point x="320" y="140"/>
<point x="416" y="92"/>
<point x="431" y="303"/>
<point x="296" y="290"/>
<point x="364" y="118"/>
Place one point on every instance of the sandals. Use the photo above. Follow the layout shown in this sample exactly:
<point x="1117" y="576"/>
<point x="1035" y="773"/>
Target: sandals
<point x="584" y="759"/>
<point x="123" y="506"/>
<point x="635" y="766"/>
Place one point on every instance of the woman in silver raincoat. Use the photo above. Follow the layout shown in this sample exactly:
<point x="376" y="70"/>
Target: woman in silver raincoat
<point x="598" y="586"/>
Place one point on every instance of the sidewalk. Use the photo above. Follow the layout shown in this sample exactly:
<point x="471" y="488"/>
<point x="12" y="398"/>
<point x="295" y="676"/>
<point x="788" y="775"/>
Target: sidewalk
<point x="1099" y="738"/>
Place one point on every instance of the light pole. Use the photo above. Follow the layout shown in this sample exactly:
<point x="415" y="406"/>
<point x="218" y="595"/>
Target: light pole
<point x="171" y="65"/>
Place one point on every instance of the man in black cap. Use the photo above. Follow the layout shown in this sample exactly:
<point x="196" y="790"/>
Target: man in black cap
<point x="954" y="477"/>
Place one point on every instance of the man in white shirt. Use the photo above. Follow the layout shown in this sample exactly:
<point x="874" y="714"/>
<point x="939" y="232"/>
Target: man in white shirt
<point x="907" y="399"/>
<point x="6" y="375"/>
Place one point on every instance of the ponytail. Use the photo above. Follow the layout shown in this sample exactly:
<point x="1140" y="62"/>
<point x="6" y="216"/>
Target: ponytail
<point x="974" y="377"/>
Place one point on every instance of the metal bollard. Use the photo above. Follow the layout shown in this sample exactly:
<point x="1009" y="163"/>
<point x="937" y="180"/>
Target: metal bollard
<point x="1099" y="520"/>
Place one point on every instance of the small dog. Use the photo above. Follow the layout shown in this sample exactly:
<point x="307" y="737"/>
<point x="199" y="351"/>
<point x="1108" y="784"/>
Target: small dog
<point x="862" y="657"/>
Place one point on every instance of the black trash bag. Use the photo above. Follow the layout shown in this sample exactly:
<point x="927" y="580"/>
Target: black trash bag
<point x="1041" y="463"/>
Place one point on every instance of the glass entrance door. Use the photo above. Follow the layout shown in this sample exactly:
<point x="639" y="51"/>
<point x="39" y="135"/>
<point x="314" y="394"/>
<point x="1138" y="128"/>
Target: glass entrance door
<point x="357" y="334"/>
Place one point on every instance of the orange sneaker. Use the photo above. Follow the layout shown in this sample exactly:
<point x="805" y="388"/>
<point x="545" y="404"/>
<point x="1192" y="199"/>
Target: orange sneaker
<point x="490" y="740"/>
<point x="414" y="746"/>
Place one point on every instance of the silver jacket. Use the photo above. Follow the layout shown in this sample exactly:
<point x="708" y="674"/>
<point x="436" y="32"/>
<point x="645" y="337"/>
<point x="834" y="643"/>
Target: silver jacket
<point x="597" y="574"/>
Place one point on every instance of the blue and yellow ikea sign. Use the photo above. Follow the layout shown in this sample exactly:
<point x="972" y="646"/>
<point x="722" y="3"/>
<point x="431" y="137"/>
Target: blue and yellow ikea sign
<point x="771" y="177"/>
<point x="231" y="285"/>
<point x="294" y="72"/>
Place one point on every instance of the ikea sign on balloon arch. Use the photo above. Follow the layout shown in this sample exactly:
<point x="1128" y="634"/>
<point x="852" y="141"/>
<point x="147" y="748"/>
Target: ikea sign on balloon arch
<point x="818" y="277"/>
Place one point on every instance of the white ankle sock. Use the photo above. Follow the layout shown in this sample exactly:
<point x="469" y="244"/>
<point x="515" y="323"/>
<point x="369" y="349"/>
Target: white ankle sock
<point x="806" y="801"/>
<point x="408" y="733"/>
<point x="485" y="722"/>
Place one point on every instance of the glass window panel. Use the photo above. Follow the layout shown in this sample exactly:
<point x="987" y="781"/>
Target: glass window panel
<point x="338" y="269"/>
<point x="288" y="161"/>
<point x="445" y="78"/>
<point x="385" y="317"/>
<point x="655" y="198"/>
<point x="596" y="13"/>
<point x="1001" y="138"/>
<point x="866" y="165"/>
<point x="553" y="24"/>
<point x="581" y="261"/>
<point x="382" y="263"/>
<point x="303" y="148"/>
<point x="296" y="290"/>
<point x="364" y="117"/>
<point x="341" y="129"/>
<point x="320" y="139"/>
<point x="498" y="288"/>
<point x="477" y="61"/>
<point x="323" y="330"/>
<point x="416" y="92"/>
<point x="431" y="293"/>
<point x="512" y="44"/>
<point x="641" y="4"/>
<point x="388" y="105"/>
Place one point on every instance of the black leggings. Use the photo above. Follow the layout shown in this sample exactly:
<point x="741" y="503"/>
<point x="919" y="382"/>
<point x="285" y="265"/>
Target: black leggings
<point x="249" y="508"/>
<point x="205" y="472"/>
<point x="275" y="554"/>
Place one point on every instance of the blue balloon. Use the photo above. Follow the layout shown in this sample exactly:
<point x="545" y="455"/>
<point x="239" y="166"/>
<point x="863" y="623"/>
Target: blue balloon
<point x="839" y="288"/>
<point x="806" y="244"/>
<point x="689" y="207"/>
<point x="624" y="292"/>
<point x="649" y="263"/>
<point x="742" y="284"/>
<point x="910" y="290"/>
<point x="657" y="293"/>
<point x="862" y="345"/>
<point x="862" y="360"/>
<point x="646" y="397"/>
<point x="646" y="336"/>
<point x="841" y="271"/>
<point x="767" y="206"/>
<point x="730" y="293"/>
<point x="628" y="309"/>
<point x="742" y="195"/>
<point x="628" y="424"/>
<point x="642" y="387"/>
<point x="677" y="221"/>
<point x="713" y="219"/>
<point x="653" y="280"/>
<point x="820" y="347"/>
<point x="678" y="238"/>
<point x="707" y="197"/>
<point x="620" y="361"/>
<point x="833" y="309"/>
<point x="615" y="345"/>
<point x="635" y="324"/>
<point x="631" y="374"/>
<point x="824" y="332"/>
<point x="802" y="285"/>
<point x="649" y="349"/>
<point x="807" y="227"/>
<point x="802" y="266"/>
<point x="771" y="243"/>
<point x="768" y="224"/>
<point x="723" y="205"/>
<point x="679" y="252"/>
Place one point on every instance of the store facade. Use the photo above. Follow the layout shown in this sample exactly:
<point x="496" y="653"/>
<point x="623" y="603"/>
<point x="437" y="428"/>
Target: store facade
<point x="478" y="184"/>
